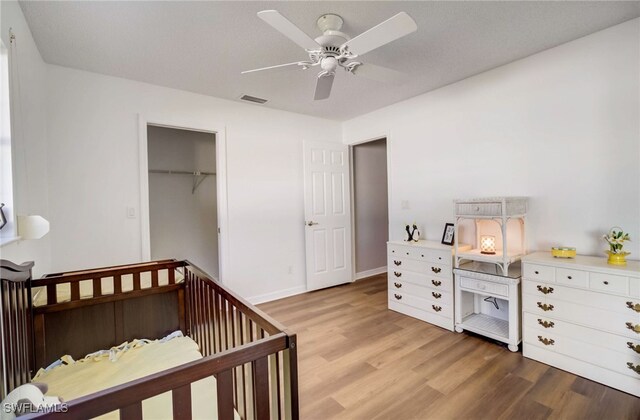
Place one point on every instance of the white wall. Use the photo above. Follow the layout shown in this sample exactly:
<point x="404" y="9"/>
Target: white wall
<point x="183" y="223"/>
<point x="371" y="210"/>
<point x="561" y="127"/>
<point x="94" y="176"/>
<point x="28" y="135"/>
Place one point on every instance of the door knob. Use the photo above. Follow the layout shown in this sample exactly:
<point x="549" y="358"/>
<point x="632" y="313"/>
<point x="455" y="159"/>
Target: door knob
<point x="311" y="223"/>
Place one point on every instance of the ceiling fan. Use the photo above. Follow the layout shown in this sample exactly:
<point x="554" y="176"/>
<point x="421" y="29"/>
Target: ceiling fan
<point x="335" y="49"/>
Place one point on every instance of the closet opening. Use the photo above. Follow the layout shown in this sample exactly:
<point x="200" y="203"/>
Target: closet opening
<point x="183" y="196"/>
<point x="370" y="208"/>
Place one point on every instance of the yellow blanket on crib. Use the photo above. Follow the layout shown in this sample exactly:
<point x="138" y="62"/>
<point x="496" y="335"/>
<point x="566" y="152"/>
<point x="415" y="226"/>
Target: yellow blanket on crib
<point x="97" y="373"/>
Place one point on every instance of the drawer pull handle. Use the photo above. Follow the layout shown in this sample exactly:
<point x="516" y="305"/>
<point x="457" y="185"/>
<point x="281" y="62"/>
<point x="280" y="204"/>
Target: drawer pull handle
<point x="395" y="273"/>
<point x="436" y="269"/>
<point x="635" y="368"/>
<point x="439" y="258"/>
<point x="436" y="282"/>
<point x="545" y="290"/>
<point x="545" y="307"/>
<point x="546" y="341"/>
<point x="537" y="272"/>
<point x="633" y="307"/>
<point x="605" y="282"/>
<point x="397" y="296"/>
<point x="436" y="295"/>
<point x="569" y="277"/>
<point x="634" y="328"/>
<point x="396" y="262"/>
<point x="546" y="324"/>
<point x="398" y="285"/>
<point x="407" y="253"/>
<point x="436" y="308"/>
<point x="633" y="347"/>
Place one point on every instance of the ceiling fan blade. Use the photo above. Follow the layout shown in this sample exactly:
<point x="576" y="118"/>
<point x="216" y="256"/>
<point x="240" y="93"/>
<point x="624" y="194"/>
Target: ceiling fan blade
<point x="297" y="63"/>
<point x="288" y="29"/>
<point x="380" y="74"/>
<point x="323" y="87"/>
<point x="391" y="29"/>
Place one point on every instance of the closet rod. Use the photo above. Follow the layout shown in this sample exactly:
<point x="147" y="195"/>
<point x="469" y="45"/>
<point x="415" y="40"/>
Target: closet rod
<point x="195" y="173"/>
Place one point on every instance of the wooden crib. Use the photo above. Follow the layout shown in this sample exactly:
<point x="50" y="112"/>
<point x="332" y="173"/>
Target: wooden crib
<point x="252" y="357"/>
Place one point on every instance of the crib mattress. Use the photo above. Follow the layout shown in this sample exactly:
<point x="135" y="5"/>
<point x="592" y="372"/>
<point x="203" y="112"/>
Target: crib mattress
<point x="86" y="287"/>
<point x="95" y="374"/>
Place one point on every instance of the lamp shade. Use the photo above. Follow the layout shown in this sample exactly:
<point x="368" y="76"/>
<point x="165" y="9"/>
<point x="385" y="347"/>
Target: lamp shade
<point x="487" y="244"/>
<point x="32" y="227"/>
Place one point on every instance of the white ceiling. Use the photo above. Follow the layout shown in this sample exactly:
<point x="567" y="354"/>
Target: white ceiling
<point x="203" y="46"/>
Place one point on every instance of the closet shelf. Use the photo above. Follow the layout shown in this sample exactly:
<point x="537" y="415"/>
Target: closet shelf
<point x="198" y="176"/>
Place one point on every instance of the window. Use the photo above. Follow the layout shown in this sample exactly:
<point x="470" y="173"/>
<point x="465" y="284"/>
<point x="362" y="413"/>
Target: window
<point x="6" y="168"/>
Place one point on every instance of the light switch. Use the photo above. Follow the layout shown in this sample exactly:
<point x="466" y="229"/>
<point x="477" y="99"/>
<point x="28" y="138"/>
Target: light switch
<point x="131" y="212"/>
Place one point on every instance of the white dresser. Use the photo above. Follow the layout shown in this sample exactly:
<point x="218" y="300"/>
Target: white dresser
<point x="421" y="282"/>
<point x="583" y="316"/>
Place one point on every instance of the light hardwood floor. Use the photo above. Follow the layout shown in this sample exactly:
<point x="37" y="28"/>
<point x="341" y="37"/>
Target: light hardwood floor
<point x="359" y="360"/>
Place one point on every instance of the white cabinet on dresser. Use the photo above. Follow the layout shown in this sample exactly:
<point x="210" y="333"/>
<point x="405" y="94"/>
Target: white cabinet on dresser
<point x="420" y="281"/>
<point x="583" y="316"/>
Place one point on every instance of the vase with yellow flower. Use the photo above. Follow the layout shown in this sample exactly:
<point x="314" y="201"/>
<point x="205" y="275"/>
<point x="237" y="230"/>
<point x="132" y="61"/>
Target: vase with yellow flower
<point x="616" y="239"/>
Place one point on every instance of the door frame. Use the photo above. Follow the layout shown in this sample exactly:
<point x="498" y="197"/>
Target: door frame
<point x="181" y="123"/>
<point x="352" y="178"/>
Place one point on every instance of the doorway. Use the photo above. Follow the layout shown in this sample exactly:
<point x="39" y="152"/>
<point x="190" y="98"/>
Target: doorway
<point x="183" y="196"/>
<point x="370" y="208"/>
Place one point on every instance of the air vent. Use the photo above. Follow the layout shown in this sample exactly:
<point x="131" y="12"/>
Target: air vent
<point x="252" y="99"/>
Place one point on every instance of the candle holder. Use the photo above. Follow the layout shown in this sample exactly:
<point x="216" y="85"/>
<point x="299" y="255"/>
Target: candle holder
<point x="488" y="245"/>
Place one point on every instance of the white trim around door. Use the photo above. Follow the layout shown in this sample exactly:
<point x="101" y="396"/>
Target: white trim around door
<point x="221" y="179"/>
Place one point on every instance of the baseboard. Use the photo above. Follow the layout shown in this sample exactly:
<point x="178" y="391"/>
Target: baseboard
<point x="369" y="273"/>
<point x="268" y="297"/>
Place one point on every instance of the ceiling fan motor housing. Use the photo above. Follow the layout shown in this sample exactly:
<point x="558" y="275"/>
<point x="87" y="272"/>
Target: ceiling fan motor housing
<point x="330" y="26"/>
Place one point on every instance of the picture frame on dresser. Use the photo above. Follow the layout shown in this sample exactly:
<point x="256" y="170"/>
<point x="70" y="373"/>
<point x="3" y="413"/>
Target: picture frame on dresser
<point x="448" y="234"/>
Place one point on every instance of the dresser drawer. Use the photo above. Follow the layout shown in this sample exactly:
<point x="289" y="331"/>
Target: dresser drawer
<point x="569" y="277"/>
<point x="609" y="283"/>
<point x="538" y="272"/>
<point x="436" y="283"/>
<point x="591" y="298"/>
<point x="479" y="209"/>
<point x="624" y="345"/>
<point x="399" y="251"/>
<point x="484" y="286"/>
<point x="436" y="308"/>
<point x="601" y="319"/>
<point x="420" y="291"/>
<point x="581" y="350"/>
<point x="420" y="267"/>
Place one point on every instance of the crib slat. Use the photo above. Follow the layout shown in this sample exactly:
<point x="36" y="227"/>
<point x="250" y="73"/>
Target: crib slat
<point x="181" y="399"/>
<point x="136" y="281"/>
<point x="261" y="387"/>
<point x="132" y="412"/>
<point x="52" y="295"/>
<point x="225" y="395"/>
<point x="75" y="290"/>
<point x="117" y="284"/>
<point x="154" y="278"/>
<point x="97" y="287"/>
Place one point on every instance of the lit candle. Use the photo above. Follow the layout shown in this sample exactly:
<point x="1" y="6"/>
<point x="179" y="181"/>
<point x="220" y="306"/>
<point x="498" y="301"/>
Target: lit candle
<point x="488" y="244"/>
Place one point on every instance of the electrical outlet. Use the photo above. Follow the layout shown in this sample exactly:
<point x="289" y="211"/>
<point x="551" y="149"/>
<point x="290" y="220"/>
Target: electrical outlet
<point x="404" y="204"/>
<point x="131" y="212"/>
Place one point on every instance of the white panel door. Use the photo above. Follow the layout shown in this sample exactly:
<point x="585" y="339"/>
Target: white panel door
<point x="327" y="210"/>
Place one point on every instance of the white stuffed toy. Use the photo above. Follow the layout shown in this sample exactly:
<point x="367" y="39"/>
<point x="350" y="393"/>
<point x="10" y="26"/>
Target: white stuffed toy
<point x="29" y="398"/>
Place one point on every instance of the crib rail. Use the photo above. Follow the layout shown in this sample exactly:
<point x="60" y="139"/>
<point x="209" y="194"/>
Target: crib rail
<point x="252" y="356"/>
<point x="219" y="320"/>
<point x="127" y="398"/>
<point x="16" y="356"/>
